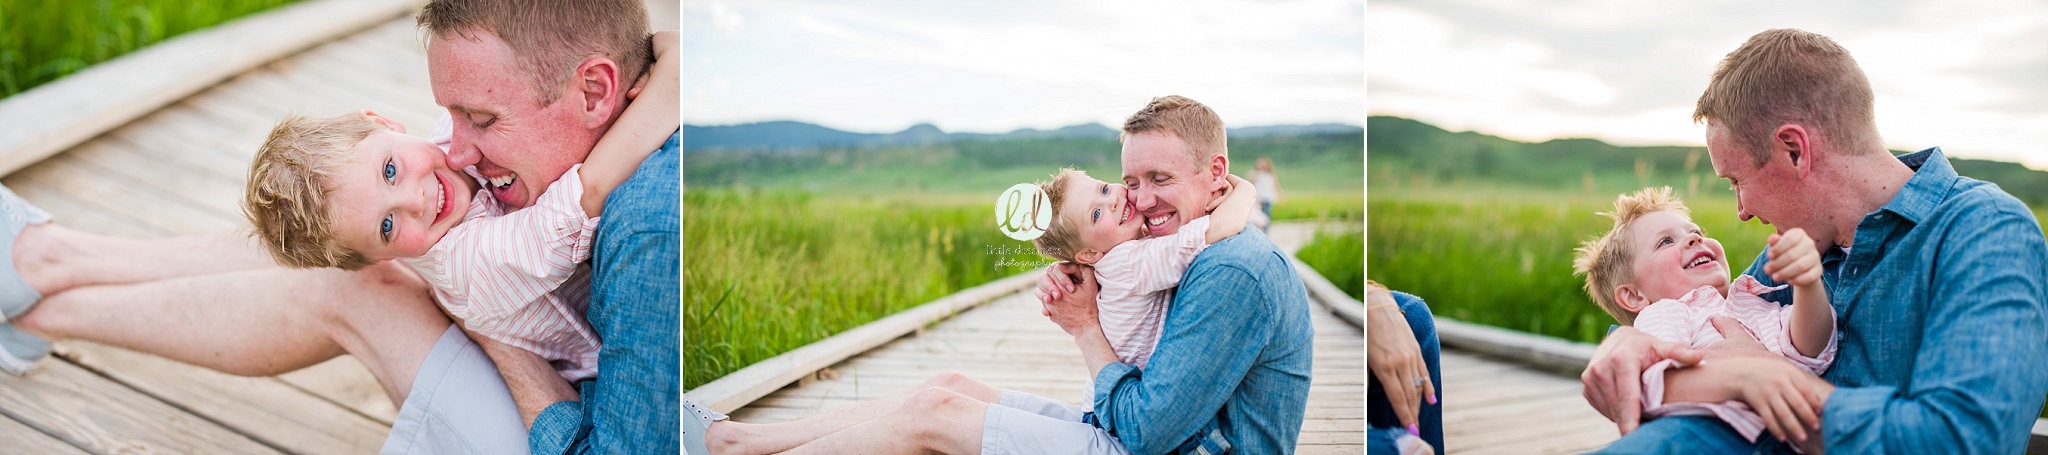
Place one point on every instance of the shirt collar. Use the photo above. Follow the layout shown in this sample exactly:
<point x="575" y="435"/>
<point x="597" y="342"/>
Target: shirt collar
<point x="1932" y="176"/>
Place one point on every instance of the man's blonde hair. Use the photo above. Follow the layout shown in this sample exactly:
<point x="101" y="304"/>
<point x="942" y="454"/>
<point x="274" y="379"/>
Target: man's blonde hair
<point x="1185" y="118"/>
<point x="1063" y="239"/>
<point x="1607" y="261"/>
<point x="1791" y="76"/>
<point x="288" y="200"/>
<point x="552" y="37"/>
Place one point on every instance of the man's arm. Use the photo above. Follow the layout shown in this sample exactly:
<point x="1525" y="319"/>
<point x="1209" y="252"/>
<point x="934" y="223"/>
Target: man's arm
<point x="1213" y="335"/>
<point x="1981" y="369"/>
<point x="534" y="383"/>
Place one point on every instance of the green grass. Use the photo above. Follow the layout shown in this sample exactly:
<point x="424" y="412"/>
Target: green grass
<point x="1340" y="257"/>
<point x="1504" y="258"/>
<point x="767" y="272"/>
<point x="43" y="40"/>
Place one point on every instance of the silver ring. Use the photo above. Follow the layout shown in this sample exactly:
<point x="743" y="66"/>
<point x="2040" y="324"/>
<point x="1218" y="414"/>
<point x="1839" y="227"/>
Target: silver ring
<point x="1418" y="382"/>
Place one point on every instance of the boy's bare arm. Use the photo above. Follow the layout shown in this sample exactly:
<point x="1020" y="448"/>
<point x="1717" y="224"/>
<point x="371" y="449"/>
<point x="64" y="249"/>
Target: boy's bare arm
<point x="643" y="127"/>
<point x="1236" y="209"/>
<point x="1794" y="260"/>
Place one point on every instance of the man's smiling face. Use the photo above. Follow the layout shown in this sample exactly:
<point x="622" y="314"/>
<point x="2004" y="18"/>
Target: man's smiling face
<point x="1166" y="184"/>
<point x="499" y="127"/>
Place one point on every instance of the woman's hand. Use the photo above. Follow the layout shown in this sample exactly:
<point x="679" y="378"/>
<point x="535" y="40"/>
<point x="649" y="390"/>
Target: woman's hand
<point x="1394" y="357"/>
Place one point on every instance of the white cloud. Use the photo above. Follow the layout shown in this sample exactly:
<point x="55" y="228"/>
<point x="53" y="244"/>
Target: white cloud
<point x="1961" y="75"/>
<point x="984" y="67"/>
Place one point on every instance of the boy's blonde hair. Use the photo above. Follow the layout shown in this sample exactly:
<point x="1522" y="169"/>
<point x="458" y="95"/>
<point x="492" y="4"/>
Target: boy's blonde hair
<point x="1607" y="261"/>
<point x="1063" y="239"/>
<point x="1194" y="123"/>
<point x="288" y="196"/>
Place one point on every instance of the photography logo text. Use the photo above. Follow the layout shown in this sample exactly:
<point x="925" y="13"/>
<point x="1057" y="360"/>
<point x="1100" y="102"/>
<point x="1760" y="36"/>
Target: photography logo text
<point x="1023" y="212"/>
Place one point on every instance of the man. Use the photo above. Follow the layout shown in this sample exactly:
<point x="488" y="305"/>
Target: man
<point x="532" y="85"/>
<point x="1937" y="281"/>
<point x="1231" y="369"/>
<point x="530" y="95"/>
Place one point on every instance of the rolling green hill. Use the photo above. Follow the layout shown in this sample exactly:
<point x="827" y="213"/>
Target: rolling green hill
<point x="1405" y="151"/>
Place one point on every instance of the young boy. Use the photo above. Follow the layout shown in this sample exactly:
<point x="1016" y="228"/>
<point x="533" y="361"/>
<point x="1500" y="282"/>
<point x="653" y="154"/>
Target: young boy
<point x="1093" y="223"/>
<point x="352" y="190"/>
<point x="1656" y="271"/>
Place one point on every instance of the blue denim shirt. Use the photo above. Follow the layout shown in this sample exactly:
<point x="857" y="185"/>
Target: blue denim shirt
<point x="1944" y="333"/>
<point x="1235" y="355"/>
<point x="634" y="405"/>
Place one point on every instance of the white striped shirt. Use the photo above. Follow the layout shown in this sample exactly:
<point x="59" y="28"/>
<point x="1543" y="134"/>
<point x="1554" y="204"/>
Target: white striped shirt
<point x="1137" y="279"/>
<point x="1689" y="319"/>
<point x="529" y="271"/>
<point x="522" y="278"/>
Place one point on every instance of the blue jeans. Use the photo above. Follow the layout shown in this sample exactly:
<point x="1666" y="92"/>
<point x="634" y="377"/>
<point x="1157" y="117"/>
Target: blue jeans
<point x="1379" y="412"/>
<point x="1690" y="435"/>
<point x="634" y="403"/>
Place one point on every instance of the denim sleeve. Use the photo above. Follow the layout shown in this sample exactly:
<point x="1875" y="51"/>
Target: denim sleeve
<point x="1967" y="393"/>
<point x="557" y="428"/>
<point x="1208" y="345"/>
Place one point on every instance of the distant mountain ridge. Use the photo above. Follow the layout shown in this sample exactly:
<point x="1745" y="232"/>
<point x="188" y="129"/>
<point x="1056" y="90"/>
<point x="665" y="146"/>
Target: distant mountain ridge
<point x="1407" y="148"/>
<point x="791" y="134"/>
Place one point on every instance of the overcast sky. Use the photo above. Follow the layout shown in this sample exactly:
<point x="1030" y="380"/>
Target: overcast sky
<point x="1970" y="77"/>
<point x="882" y="66"/>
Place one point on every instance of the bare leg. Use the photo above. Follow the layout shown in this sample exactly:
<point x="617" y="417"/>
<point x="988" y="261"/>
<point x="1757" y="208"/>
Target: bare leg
<point x="259" y="322"/>
<point x="728" y="437"/>
<point x="933" y="420"/>
<point x="54" y="258"/>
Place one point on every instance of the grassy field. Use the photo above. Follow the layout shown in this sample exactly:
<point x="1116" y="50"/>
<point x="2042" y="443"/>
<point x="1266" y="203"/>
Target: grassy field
<point x="41" y="41"/>
<point x="766" y="272"/>
<point x="1339" y="257"/>
<point x="1504" y="258"/>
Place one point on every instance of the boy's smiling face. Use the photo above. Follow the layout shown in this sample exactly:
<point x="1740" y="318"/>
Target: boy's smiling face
<point x="1103" y="214"/>
<point x="398" y="196"/>
<point x="1672" y="257"/>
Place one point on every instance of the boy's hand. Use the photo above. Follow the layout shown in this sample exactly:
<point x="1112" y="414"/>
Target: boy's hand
<point x="664" y="42"/>
<point x="1794" y="260"/>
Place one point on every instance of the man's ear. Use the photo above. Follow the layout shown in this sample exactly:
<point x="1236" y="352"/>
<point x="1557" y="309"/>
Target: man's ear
<point x="1088" y="257"/>
<point x="1793" y="141"/>
<point x="386" y="122"/>
<point x="1630" y="298"/>
<point x="1218" y="166"/>
<point x="597" y="88"/>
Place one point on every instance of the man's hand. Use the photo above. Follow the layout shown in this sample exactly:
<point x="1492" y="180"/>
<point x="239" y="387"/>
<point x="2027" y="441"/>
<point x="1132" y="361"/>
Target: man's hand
<point x="1614" y="379"/>
<point x="1394" y="357"/>
<point x="1056" y="283"/>
<point x="1075" y="311"/>
<point x="1787" y="397"/>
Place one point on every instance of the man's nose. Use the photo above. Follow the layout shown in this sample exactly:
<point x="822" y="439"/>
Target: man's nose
<point x="462" y="151"/>
<point x="1141" y="198"/>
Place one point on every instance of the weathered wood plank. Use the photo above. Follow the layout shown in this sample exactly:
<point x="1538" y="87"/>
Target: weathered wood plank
<point x="102" y="416"/>
<point x="262" y="408"/>
<point x="18" y="438"/>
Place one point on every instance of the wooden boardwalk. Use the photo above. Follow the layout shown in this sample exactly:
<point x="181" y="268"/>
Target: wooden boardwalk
<point x="1495" y="407"/>
<point x="1007" y="343"/>
<point x="180" y="170"/>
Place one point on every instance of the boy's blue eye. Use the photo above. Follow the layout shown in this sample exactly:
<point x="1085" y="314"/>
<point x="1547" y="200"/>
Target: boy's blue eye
<point x="1664" y="241"/>
<point x="1105" y="189"/>
<point x="385" y="229"/>
<point x="390" y="170"/>
<point x="1095" y="216"/>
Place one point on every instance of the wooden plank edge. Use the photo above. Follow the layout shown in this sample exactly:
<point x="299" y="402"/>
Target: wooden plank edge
<point x="56" y="116"/>
<point x="1554" y="354"/>
<point x="2038" y="441"/>
<point x="1349" y="309"/>
<point x="736" y="389"/>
